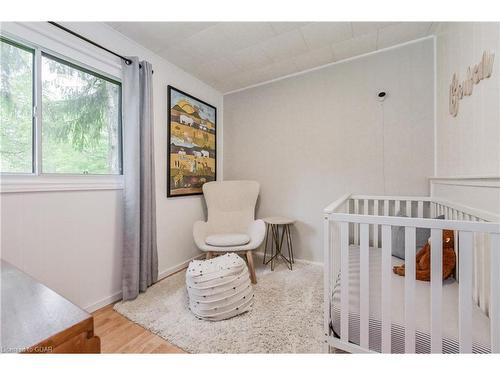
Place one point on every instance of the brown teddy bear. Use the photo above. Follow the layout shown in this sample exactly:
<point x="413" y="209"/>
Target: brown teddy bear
<point x="423" y="259"/>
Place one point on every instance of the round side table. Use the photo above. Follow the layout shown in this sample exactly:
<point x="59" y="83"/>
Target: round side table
<point x="274" y="225"/>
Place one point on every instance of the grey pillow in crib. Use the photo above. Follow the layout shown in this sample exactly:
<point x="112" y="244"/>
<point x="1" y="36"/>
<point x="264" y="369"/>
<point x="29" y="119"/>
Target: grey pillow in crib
<point x="398" y="238"/>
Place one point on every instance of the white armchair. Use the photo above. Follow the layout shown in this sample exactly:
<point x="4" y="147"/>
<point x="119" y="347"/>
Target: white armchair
<point x="231" y="224"/>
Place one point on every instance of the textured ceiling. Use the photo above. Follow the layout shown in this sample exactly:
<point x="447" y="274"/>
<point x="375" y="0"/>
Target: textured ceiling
<point x="234" y="55"/>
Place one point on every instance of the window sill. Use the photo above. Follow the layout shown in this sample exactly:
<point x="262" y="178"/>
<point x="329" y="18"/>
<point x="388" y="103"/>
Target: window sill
<point x="31" y="183"/>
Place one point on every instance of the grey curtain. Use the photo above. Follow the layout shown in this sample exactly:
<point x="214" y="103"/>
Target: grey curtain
<point x="140" y="257"/>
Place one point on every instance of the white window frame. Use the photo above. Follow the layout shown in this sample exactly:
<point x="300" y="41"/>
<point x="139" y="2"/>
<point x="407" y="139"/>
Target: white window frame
<point x="42" y="39"/>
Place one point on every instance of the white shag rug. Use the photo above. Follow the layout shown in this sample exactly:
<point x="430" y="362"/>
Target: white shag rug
<point x="287" y="315"/>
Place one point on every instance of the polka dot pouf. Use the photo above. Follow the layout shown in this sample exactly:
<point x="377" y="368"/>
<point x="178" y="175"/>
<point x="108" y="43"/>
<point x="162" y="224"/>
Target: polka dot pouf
<point x="219" y="288"/>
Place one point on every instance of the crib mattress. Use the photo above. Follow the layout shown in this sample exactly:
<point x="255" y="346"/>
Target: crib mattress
<point x="480" y="322"/>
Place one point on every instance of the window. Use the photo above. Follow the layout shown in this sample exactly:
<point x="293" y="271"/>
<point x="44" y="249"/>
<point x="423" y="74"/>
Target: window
<point x="16" y="106"/>
<point x="80" y="112"/>
<point x="78" y="124"/>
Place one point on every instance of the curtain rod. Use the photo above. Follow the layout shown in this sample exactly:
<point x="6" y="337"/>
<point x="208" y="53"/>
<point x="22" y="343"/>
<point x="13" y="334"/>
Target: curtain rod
<point x="127" y="61"/>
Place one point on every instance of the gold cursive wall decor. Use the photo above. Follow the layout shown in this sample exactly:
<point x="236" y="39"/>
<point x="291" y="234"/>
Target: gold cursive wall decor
<point x="475" y="74"/>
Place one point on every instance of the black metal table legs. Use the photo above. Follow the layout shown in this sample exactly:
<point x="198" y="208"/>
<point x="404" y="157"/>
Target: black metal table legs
<point x="276" y="240"/>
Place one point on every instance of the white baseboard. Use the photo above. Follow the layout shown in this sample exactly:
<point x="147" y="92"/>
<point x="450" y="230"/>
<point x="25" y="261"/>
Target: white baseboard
<point x="118" y="295"/>
<point x="261" y="254"/>
<point x="178" y="267"/>
<point x="104" y="302"/>
<point x="169" y="271"/>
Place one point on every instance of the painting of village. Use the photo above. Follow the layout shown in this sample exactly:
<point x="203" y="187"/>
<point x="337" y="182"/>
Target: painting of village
<point x="191" y="143"/>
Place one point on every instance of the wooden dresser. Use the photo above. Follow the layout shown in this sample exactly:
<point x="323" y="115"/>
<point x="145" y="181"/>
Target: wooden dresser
<point x="35" y="319"/>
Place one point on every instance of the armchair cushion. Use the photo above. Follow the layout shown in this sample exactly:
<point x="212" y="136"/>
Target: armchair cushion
<point x="230" y="239"/>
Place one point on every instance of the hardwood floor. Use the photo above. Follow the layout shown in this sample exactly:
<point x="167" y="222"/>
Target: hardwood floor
<point x="120" y="335"/>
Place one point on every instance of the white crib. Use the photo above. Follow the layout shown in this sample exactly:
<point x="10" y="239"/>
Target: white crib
<point x="357" y="251"/>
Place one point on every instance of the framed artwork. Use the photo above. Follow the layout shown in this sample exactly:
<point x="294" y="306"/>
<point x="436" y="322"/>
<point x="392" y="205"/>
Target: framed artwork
<point x="192" y="144"/>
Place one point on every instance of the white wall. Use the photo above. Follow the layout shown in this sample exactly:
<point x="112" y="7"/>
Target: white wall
<point x="72" y="241"/>
<point x="308" y="139"/>
<point x="468" y="145"/>
<point x="479" y="193"/>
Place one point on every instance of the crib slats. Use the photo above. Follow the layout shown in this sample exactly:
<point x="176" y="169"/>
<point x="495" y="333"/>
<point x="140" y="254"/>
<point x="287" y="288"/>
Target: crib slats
<point x="480" y="281"/>
<point x="475" y="273"/>
<point x="465" y="292"/>
<point x="344" y="281"/>
<point x="364" y="281"/>
<point x="356" y="226"/>
<point x="327" y="284"/>
<point x="495" y="293"/>
<point x="386" y="287"/>
<point x="375" y="226"/>
<point x="365" y="210"/>
<point x="436" y="290"/>
<point x="409" y="289"/>
<point x="476" y="277"/>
